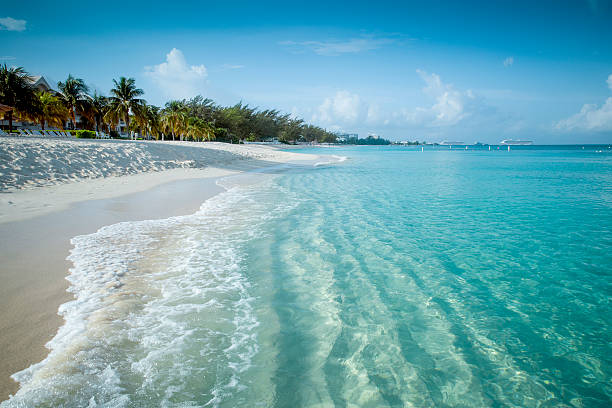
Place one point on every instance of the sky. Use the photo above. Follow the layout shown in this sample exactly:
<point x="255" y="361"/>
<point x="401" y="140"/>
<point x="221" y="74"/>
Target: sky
<point x="425" y="70"/>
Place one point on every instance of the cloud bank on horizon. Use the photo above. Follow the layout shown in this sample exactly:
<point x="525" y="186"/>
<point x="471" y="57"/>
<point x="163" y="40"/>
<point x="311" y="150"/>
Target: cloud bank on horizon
<point x="591" y="117"/>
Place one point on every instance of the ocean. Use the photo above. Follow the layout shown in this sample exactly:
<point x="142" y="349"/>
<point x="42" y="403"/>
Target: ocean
<point x="376" y="277"/>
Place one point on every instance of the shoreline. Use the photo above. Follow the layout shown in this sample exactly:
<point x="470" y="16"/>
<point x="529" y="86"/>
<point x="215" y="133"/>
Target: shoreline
<point x="38" y="224"/>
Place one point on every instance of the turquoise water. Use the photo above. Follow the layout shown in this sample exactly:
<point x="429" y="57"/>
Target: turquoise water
<point x="442" y="278"/>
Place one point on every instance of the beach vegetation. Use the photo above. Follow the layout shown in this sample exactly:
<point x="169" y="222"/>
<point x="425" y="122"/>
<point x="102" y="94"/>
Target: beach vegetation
<point x="124" y="101"/>
<point x="16" y="92"/>
<point x="85" y="134"/>
<point x="50" y="111"/>
<point x="174" y="118"/>
<point x="97" y="109"/>
<point x="195" y="119"/>
<point x="73" y="93"/>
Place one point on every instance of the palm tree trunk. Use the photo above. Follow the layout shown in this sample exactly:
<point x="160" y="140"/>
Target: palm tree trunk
<point x="42" y="124"/>
<point x="10" y="119"/>
<point x="73" y="118"/>
<point x="127" y="123"/>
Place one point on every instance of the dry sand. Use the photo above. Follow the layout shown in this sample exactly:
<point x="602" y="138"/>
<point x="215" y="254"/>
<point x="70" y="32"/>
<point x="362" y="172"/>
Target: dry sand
<point x="52" y="190"/>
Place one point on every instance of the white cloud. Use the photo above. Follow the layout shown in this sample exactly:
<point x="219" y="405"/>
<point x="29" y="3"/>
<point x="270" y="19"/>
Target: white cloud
<point x="11" y="24"/>
<point x="176" y="78"/>
<point x="509" y="61"/>
<point x="449" y="105"/>
<point x="591" y="117"/>
<point x="7" y="58"/>
<point x="338" y="47"/>
<point x="374" y="114"/>
<point x="343" y="108"/>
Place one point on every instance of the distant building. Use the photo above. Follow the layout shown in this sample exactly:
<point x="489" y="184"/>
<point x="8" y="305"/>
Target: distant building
<point x="40" y="83"/>
<point x="346" y="137"/>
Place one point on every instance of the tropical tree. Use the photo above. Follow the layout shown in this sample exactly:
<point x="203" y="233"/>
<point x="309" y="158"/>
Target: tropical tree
<point x="97" y="107"/>
<point x="123" y="100"/>
<point x="148" y="121"/>
<point x="198" y="129"/>
<point x="16" y="91"/>
<point x="174" y="118"/>
<point x="200" y="107"/>
<point x="153" y="124"/>
<point x="73" y="93"/>
<point x="292" y="130"/>
<point x="51" y="110"/>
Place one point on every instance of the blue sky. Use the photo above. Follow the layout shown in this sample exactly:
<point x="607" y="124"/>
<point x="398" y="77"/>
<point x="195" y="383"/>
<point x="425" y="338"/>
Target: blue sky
<point x="436" y="70"/>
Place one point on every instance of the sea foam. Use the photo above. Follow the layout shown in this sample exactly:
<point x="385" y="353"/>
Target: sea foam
<point x="159" y="305"/>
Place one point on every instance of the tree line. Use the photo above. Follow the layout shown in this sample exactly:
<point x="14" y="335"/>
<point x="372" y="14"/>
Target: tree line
<point x="195" y="119"/>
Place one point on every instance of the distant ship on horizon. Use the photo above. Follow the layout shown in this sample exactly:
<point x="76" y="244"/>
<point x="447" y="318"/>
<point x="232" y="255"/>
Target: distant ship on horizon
<point x="516" y="142"/>
<point x="447" y="143"/>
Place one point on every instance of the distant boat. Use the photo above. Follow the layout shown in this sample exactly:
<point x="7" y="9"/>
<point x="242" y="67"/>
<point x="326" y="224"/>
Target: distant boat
<point x="510" y="142"/>
<point x="447" y="143"/>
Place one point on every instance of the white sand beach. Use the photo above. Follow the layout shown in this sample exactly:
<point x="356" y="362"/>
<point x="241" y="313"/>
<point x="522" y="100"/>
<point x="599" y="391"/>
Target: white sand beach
<point x="52" y="190"/>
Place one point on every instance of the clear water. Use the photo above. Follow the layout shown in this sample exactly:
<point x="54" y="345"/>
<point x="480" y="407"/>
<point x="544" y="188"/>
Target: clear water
<point x="397" y="278"/>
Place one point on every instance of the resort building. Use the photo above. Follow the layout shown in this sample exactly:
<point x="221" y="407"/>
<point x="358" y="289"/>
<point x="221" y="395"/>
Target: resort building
<point x="40" y="83"/>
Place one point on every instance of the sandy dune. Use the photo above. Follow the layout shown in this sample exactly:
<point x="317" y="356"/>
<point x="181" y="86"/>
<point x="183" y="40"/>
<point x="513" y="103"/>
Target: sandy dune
<point x="26" y="163"/>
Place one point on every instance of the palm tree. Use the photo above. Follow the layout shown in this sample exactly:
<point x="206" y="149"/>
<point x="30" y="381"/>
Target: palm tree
<point x="124" y="100"/>
<point x="73" y="93"/>
<point x="16" y="92"/>
<point x="198" y="129"/>
<point x="98" y="105"/>
<point x="148" y="121"/>
<point x="174" y="118"/>
<point x="51" y="110"/>
<point x="153" y="123"/>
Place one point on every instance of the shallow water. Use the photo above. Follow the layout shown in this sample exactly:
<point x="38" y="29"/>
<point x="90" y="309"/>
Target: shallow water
<point x="394" y="278"/>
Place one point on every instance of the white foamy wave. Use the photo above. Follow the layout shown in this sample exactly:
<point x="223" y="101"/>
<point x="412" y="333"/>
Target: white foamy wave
<point x="162" y="313"/>
<point x="337" y="159"/>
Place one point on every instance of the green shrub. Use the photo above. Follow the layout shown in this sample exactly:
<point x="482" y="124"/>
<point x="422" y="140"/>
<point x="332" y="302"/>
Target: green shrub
<point x="114" y="134"/>
<point x="85" y="134"/>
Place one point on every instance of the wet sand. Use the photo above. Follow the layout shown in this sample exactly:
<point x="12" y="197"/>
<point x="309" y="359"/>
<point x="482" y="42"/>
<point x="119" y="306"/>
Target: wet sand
<point x="34" y="265"/>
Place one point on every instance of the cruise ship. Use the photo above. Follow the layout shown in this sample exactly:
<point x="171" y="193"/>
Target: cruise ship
<point x="452" y="143"/>
<point x="516" y="142"/>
